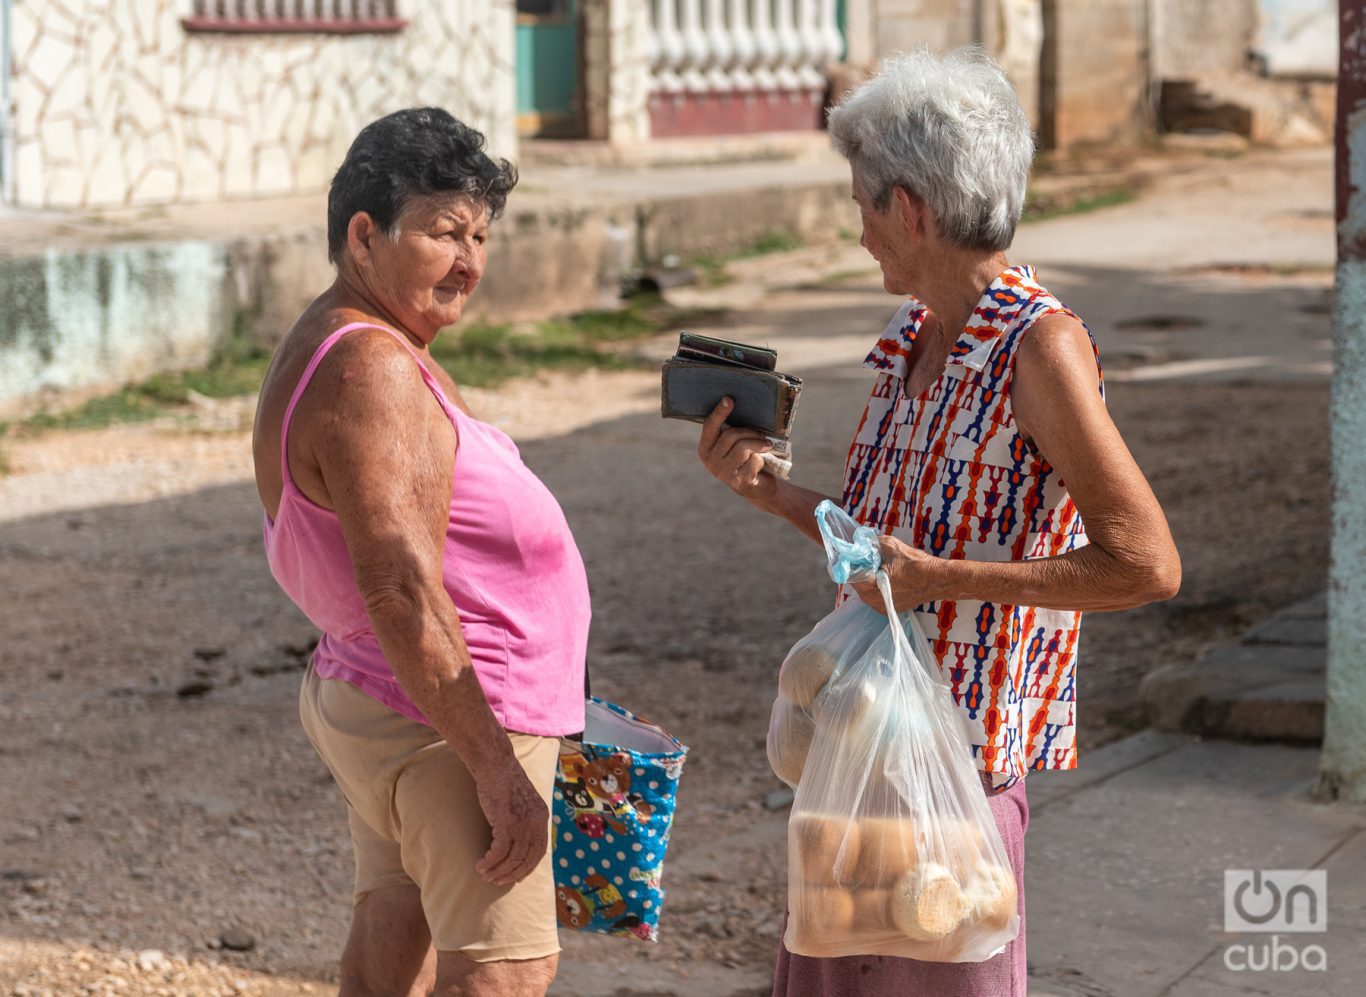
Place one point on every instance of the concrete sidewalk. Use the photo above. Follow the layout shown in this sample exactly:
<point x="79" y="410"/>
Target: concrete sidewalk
<point x="1125" y="869"/>
<point x="1269" y="686"/>
<point x="1127" y="855"/>
<point x="1126" y="864"/>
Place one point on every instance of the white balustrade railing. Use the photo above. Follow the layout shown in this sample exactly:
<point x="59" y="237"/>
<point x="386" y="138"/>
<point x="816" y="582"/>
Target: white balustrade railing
<point x="668" y="47"/>
<point x="743" y="49"/>
<point x="812" y="45"/>
<point x="719" y="46"/>
<point x="696" y="47"/>
<point x="827" y="19"/>
<point x="718" y="40"/>
<point x="766" y="40"/>
<point x="789" y="46"/>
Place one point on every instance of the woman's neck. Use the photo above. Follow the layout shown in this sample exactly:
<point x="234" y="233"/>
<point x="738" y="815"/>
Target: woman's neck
<point x="953" y="288"/>
<point x="349" y="292"/>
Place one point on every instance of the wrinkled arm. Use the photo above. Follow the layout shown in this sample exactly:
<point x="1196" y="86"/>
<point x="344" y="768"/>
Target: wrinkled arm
<point x="386" y="453"/>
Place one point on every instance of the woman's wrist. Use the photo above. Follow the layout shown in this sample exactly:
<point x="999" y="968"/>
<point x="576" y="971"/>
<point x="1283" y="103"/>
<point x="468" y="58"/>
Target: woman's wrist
<point x="918" y="577"/>
<point x="943" y="574"/>
<point x="766" y="495"/>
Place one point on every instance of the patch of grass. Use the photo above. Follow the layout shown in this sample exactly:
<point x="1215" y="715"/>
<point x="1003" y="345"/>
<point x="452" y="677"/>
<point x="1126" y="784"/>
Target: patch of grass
<point x="639" y="316"/>
<point x="237" y="371"/>
<point x="712" y="270"/>
<point x="772" y="242"/>
<point x="1043" y="209"/>
<point x="137" y="403"/>
<point x="485" y="355"/>
<point x="1268" y="269"/>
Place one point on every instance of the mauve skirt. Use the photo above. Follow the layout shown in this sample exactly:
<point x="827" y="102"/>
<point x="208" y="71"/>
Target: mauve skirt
<point x="886" y="976"/>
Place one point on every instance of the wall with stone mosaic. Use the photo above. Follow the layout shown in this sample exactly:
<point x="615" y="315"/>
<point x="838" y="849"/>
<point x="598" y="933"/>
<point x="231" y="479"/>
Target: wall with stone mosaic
<point x="617" y="64"/>
<point x="115" y="103"/>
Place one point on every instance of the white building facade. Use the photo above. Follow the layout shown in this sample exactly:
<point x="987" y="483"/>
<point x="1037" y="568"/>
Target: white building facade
<point x="109" y="103"/>
<point x="135" y="102"/>
<point x="115" y="103"/>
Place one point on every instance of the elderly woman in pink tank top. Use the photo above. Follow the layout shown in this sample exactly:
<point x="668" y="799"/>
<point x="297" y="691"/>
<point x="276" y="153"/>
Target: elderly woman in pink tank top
<point x="1006" y="499"/>
<point x="451" y="598"/>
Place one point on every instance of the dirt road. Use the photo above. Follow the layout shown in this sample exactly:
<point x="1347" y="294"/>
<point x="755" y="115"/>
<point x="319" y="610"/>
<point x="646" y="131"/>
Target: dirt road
<point x="164" y="826"/>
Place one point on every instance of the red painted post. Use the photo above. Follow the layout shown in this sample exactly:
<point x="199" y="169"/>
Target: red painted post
<point x="1343" y="763"/>
<point x="1351" y="103"/>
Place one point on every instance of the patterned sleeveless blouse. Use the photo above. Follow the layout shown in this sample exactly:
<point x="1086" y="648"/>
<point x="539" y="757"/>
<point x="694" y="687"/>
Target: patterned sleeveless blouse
<point x="950" y="474"/>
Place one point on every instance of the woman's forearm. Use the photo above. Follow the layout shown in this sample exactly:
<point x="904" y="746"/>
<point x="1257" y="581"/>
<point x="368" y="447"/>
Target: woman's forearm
<point x="1089" y="579"/>
<point x="793" y="503"/>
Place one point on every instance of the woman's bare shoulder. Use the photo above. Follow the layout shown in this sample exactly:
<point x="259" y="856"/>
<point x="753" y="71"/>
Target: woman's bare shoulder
<point x="362" y="371"/>
<point x="1057" y="344"/>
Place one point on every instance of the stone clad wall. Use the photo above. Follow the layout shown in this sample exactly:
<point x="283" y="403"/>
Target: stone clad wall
<point x="616" y="59"/>
<point x="116" y="104"/>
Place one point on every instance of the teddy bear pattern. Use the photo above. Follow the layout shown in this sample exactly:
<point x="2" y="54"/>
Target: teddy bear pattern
<point x="611" y="817"/>
<point x="598" y="791"/>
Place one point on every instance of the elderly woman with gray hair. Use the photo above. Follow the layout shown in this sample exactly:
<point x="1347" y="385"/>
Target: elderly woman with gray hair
<point x="1007" y="502"/>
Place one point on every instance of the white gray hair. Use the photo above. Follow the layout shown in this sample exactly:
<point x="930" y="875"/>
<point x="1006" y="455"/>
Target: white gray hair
<point x="951" y="131"/>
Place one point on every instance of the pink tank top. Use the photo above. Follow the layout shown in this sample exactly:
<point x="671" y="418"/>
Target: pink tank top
<point x="510" y="565"/>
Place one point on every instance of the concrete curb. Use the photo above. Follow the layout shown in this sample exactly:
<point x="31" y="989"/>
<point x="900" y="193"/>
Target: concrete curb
<point x="565" y="245"/>
<point x="1270" y="686"/>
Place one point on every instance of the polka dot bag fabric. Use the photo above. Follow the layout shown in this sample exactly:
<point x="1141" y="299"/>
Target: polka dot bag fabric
<point x="613" y="807"/>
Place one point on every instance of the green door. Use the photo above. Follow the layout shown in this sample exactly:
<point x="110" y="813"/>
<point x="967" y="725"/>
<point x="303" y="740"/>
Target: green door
<point x="548" y="76"/>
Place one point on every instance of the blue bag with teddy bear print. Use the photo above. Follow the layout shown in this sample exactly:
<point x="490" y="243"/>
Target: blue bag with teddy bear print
<point x="613" y="807"/>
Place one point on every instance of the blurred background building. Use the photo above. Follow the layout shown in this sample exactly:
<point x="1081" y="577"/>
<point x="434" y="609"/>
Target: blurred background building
<point x="132" y="102"/>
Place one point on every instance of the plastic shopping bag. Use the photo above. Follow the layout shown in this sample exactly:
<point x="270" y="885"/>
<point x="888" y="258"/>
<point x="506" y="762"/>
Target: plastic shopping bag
<point x="615" y="793"/>
<point x="892" y="849"/>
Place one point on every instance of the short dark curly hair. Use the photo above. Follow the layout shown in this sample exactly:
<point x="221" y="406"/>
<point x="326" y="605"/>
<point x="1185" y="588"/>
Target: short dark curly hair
<point x="417" y="152"/>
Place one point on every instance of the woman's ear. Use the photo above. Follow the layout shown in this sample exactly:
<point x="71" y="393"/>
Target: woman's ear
<point x="911" y="210"/>
<point x="360" y="231"/>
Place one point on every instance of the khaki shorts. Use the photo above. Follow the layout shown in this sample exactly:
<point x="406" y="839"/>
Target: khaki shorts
<point x="415" y="820"/>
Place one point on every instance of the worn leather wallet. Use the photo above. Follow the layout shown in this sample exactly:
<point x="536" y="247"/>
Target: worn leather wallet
<point x="706" y="370"/>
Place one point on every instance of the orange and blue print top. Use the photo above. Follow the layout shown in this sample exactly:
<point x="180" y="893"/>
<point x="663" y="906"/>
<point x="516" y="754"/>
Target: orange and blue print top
<point x="950" y="473"/>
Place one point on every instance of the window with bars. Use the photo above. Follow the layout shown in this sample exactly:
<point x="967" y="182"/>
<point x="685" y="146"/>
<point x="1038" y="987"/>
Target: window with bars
<point x="293" y="16"/>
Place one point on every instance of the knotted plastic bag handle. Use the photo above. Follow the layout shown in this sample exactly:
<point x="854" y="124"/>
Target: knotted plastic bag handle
<point x="852" y="554"/>
<point x="851" y="550"/>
